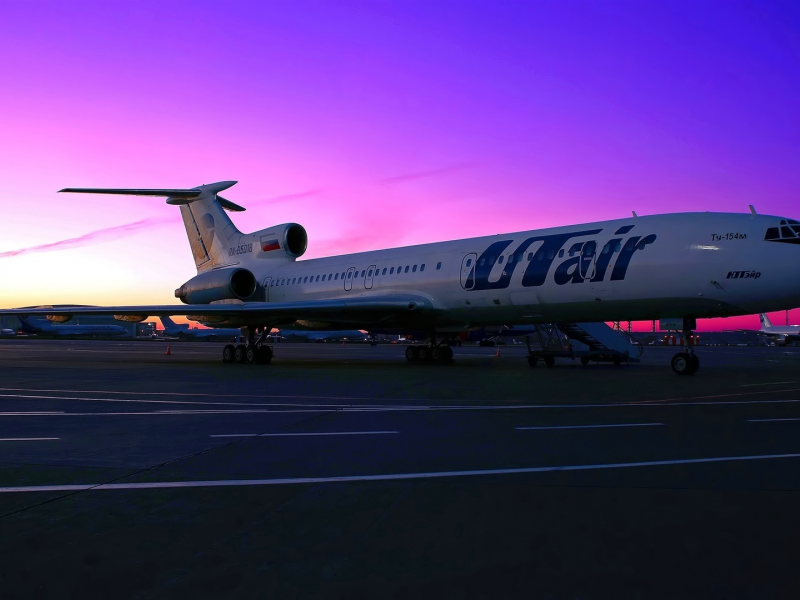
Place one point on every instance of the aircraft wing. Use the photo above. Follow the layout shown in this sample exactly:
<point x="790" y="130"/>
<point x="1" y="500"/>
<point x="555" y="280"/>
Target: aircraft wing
<point x="368" y="309"/>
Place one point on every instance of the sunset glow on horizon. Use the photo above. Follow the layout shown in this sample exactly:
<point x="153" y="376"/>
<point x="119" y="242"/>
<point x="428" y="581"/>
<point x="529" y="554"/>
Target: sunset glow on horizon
<point x="378" y="124"/>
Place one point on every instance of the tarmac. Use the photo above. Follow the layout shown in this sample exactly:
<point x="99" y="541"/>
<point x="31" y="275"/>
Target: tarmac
<point x="342" y="471"/>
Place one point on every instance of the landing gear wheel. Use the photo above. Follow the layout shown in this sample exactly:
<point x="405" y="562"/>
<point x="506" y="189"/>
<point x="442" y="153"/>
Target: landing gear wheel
<point x="424" y="354"/>
<point x="441" y="354"/>
<point x="250" y="356"/>
<point x="240" y="354"/>
<point x="617" y="361"/>
<point x="412" y="354"/>
<point x="228" y="353"/>
<point x="549" y="362"/>
<point x="446" y="353"/>
<point x="584" y="360"/>
<point x="533" y="361"/>
<point x="264" y="355"/>
<point x="685" y="364"/>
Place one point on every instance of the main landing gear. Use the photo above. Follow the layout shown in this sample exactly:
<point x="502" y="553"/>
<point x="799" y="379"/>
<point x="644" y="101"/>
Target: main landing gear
<point x="255" y="352"/>
<point x="440" y="354"/>
<point x="686" y="363"/>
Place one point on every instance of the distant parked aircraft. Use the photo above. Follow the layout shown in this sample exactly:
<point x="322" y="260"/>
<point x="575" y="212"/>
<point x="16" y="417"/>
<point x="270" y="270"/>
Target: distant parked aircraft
<point x="7" y="333"/>
<point x="45" y="328"/>
<point x="171" y="328"/>
<point x="781" y="335"/>
<point x="350" y="335"/>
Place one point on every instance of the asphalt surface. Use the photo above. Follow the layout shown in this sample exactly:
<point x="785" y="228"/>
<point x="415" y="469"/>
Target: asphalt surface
<point x="344" y="471"/>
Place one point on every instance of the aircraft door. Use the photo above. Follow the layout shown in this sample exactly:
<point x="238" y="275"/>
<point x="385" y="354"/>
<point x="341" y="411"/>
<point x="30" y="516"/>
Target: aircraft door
<point x="267" y="283"/>
<point x="348" y="279"/>
<point x="468" y="271"/>
<point x="369" y="277"/>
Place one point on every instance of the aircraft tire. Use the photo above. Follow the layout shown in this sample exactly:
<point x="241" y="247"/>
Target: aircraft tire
<point x="549" y="362"/>
<point x="682" y="364"/>
<point x="533" y="360"/>
<point x="240" y="354"/>
<point x="251" y="356"/>
<point x="445" y="355"/>
<point x="228" y="353"/>
<point x="264" y="355"/>
<point x="695" y="363"/>
<point x="412" y="354"/>
<point x="424" y="354"/>
<point x="584" y="360"/>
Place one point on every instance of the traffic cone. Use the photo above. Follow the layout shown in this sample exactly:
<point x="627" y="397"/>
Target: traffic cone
<point x="169" y="352"/>
<point x="497" y="354"/>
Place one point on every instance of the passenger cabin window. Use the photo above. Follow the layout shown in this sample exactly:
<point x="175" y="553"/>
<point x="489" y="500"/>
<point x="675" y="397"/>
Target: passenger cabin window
<point x="384" y="272"/>
<point x="422" y="267"/>
<point x="349" y="275"/>
<point x="551" y="255"/>
<point x="391" y="271"/>
<point x="336" y="278"/>
<point x="530" y="256"/>
<point x="406" y="271"/>
<point x="469" y="263"/>
<point x="500" y="259"/>
<point x="369" y="274"/>
<point x="561" y="253"/>
<point x="362" y="273"/>
<point x="414" y="270"/>
<point x="481" y="262"/>
<point x="439" y="265"/>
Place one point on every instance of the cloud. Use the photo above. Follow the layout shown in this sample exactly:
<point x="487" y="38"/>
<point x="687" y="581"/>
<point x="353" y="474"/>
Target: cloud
<point x="93" y="237"/>
<point x="424" y="174"/>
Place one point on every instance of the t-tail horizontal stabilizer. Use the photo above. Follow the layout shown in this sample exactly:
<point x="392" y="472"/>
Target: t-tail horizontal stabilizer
<point x="173" y="195"/>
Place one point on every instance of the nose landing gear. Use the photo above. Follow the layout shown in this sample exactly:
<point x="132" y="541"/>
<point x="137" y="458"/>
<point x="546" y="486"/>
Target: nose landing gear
<point x="686" y="363"/>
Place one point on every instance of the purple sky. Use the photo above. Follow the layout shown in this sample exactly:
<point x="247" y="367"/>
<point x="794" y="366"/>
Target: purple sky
<point x="376" y="124"/>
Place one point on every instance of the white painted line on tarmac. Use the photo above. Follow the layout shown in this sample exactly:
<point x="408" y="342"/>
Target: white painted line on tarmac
<point x="227" y="435"/>
<point x="388" y="477"/>
<point x="772" y="420"/>
<point x="591" y="426"/>
<point x="771" y="383"/>
<point x="126" y="393"/>
<point x="26" y="439"/>
<point x="32" y="413"/>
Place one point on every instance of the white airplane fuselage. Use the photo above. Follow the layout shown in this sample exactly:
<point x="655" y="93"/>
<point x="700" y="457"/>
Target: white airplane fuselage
<point x="675" y="265"/>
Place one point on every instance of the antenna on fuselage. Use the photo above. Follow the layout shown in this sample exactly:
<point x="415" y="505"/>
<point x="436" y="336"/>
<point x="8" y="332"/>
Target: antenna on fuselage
<point x="752" y="210"/>
<point x="633" y="212"/>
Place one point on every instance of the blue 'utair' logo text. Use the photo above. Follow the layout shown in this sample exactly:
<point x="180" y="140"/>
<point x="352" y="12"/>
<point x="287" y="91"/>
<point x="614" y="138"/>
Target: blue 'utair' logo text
<point x="584" y="261"/>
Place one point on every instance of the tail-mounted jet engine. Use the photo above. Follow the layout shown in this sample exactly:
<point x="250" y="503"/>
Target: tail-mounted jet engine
<point x="289" y="237"/>
<point x="221" y="284"/>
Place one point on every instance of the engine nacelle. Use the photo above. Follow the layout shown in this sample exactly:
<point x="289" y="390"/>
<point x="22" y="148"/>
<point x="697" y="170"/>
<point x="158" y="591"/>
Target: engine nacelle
<point x="291" y="238"/>
<point x="222" y="284"/>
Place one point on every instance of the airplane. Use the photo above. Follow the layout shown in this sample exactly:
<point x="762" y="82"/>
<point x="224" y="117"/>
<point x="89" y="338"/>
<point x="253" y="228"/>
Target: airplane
<point x="780" y="335"/>
<point x="351" y="335"/>
<point x="8" y="332"/>
<point x="41" y="327"/>
<point x="681" y="265"/>
<point x="171" y="328"/>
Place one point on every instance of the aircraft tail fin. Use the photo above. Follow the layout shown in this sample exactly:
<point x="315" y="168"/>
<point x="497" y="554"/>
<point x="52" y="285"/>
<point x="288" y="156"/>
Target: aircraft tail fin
<point x="765" y="322"/>
<point x="167" y="322"/>
<point x="208" y="227"/>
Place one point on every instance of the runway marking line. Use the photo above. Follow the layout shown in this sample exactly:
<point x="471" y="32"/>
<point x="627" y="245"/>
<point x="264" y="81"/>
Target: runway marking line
<point x="26" y="439"/>
<point x="2" y="389"/>
<point x="230" y="435"/>
<point x="772" y="420"/>
<point x="387" y="477"/>
<point x="772" y="383"/>
<point x="590" y="426"/>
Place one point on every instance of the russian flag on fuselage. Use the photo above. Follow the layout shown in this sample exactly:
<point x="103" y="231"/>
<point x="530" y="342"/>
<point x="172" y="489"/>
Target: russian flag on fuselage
<point x="268" y="244"/>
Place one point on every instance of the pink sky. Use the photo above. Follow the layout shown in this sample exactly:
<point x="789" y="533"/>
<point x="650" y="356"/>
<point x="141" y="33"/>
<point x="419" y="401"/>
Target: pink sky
<point x="378" y="124"/>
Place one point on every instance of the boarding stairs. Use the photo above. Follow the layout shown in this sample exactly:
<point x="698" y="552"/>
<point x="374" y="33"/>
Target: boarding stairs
<point x="586" y="341"/>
